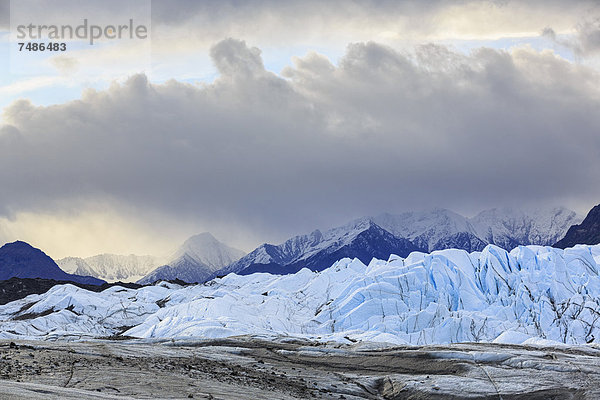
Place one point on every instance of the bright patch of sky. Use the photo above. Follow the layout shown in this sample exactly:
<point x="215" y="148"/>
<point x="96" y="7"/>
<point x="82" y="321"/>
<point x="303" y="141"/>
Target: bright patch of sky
<point x="539" y="43"/>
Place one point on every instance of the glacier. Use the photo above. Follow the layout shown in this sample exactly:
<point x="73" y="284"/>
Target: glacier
<point x="531" y="295"/>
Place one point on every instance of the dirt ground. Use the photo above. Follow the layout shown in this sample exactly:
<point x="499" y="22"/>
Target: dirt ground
<point x="255" y="368"/>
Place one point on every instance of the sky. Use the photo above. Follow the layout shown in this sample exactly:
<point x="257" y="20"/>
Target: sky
<point x="261" y="120"/>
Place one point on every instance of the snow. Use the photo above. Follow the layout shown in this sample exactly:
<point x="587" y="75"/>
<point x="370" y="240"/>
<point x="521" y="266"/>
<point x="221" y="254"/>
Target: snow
<point x="425" y="228"/>
<point x="512" y="337"/>
<point x="504" y="227"/>
<point x="302" y="247"/>
<point x="205" y="249"/>
<point x="110" y="267"/>
<point x="532" y="294"/>
<point x="428" y="230"/>
<point x="196" y="260"/>
<point x="201" y="251"/>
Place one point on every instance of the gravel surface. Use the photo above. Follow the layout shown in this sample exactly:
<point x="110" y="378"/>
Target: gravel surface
<point x="284" y="368"/>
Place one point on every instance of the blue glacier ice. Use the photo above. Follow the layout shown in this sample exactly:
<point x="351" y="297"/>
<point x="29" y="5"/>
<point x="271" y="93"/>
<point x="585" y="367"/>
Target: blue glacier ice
<point x="532" y="294"/>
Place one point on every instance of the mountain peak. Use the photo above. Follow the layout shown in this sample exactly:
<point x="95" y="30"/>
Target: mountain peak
<point x="361" y="238"/>
<point x="198" y="257"/>
<point x="20" y="259"/>
<point x="205" y="249"/>
<point x="21" y="249"/>
<point x="19" y="245"/>
<point x="204" y="236"/>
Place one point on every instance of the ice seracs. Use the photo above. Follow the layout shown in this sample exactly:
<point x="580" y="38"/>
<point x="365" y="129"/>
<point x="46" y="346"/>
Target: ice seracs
<point x="531" y="294"/>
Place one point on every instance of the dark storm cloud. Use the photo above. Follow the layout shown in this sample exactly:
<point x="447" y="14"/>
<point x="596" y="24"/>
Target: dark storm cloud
<point x="178" y="11"/>
<point x="340" y="21"/>
<point x="381" y="131"/>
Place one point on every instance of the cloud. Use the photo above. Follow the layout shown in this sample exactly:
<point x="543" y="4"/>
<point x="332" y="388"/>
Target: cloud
<point x="234" y="59"/>
<point x="4" y="14"/>
<point x="273" y="155"/>
<point x="180" y="26"/>
<point x="64" y="65"/>
<point x="273" y="21"/>
<point x="584" y="43"/>
<point x="589" y="37"/>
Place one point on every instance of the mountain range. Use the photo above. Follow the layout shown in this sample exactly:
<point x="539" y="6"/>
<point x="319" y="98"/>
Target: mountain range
<point x="401" y="234"/>
<point x="111" y="267"/>
<point x="362" y="239"/>
<point x="202" y="257"/>
<point x="508" y="228"/>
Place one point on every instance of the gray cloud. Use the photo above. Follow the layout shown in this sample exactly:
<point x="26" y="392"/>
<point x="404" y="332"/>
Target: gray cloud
<point x="589" y="37"/>
<point x="313" y="17"/>
<point x="586" y="41"/>
<point x="4" y="14"/>
<point x="331" y="23"/>
<point x="380" y="131"/>
<point x="177" y="11"/>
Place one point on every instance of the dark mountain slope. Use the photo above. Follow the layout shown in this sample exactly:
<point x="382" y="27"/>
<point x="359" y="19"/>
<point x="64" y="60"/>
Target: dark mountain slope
<point x="21" y="260"/>
<point x="588" y="232"/>
<point x="366" y="241"/>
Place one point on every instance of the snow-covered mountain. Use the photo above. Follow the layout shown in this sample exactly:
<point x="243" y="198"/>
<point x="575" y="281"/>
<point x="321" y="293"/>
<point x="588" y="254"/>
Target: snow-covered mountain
<point x="362" y="239"/>
<point x="21" y="260"/>
<point x="433" y="230"/>
<point x="206" y="249"/>
<point x="588" y="232"/>
<point x="195" y="261"/>
<point x="509" y="228"/>
<point x="203" y="257"/>
<point x="111" y="267"/>
<point x="532" y="294"/>
<point x="505" y="227"/>
<point x="400" y="234"/>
